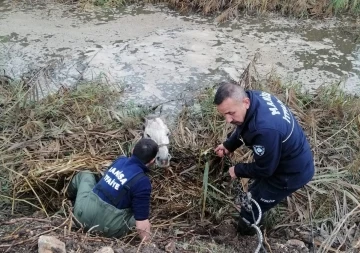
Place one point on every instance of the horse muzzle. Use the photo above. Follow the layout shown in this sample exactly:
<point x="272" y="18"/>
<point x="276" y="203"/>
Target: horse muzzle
<point x="163" y="162"/>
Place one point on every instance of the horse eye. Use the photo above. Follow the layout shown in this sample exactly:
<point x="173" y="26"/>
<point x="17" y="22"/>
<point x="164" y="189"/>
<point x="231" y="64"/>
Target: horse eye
<point x="148" y="136"/>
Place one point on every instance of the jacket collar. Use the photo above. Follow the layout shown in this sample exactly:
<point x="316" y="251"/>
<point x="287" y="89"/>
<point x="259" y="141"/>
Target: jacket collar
<point x="133" y="160"/>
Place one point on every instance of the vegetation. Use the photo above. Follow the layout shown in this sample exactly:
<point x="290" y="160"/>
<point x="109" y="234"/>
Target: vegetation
<point x="331" y="120"/>
<point x="296" y="8"/>
<point x="45" y="140"/>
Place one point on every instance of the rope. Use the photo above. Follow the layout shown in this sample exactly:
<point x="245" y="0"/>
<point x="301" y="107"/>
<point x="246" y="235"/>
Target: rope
<point x="245" y="199"/>
<point x="260" y="236"/>
<point x="246" y="203"/>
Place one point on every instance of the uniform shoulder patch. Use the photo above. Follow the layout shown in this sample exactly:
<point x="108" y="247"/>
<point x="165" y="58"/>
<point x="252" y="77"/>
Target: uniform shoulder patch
<point x="259" y="150"/>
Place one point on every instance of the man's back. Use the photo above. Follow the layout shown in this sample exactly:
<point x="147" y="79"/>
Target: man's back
<point x="268" y="113"/>
<point x="281" y="151"/>
<point x="114" y="188"/>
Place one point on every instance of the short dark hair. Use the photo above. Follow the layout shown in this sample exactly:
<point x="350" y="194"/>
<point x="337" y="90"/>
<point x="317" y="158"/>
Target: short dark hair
<point x="145" y="149"/>
<point x="229" y="90"/>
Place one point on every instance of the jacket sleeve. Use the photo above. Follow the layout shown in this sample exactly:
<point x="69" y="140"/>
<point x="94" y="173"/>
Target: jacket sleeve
<point x="267" y="153"/>
<point x="141" y="199"/>
<point x="233" y="141"/>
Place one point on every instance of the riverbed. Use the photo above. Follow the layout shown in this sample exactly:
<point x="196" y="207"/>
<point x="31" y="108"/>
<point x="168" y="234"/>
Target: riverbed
<point x="158" y="54"/>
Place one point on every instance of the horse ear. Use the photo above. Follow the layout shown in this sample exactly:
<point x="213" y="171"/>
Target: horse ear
<point x="158" y="107"/>
<point x="144" y="121"/>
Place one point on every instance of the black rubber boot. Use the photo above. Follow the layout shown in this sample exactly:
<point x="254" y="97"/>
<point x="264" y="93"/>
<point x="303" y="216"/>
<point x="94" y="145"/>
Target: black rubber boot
<point x="244" y="229"/>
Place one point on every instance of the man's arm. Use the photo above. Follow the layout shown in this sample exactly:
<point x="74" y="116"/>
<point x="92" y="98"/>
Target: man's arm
<point x="267" y="152"/>
<point x="233" y="141"/>
<point x="140" y="206"/>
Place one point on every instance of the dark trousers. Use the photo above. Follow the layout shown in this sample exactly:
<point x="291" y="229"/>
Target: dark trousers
<point x="266" y="195"/>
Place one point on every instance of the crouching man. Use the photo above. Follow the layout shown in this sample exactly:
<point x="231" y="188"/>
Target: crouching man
<point x="283" y="161"/>
<point x="121" y="199"/>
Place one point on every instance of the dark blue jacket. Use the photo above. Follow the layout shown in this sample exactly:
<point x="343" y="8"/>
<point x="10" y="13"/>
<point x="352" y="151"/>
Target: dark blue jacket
<point x="281" y="152"/>
<point x="112" y="183"/>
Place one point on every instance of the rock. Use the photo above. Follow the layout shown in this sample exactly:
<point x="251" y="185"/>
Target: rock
<point x="105" y="250"/>
<point x="50" y="244"/>
<point x="295" y="242"/>
<point x="170" y="247"/>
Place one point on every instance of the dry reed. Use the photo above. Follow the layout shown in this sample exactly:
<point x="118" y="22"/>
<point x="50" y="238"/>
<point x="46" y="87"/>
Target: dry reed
<point x="46" y="141"/>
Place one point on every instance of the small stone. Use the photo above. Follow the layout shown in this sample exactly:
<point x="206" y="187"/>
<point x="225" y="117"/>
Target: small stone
<point x="50" y="244"/>
<point x="170" y="247"/>
<point x="295" y="242"/>
<point x="105" y="250"/>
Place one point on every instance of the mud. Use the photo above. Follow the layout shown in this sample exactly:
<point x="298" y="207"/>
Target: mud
<point x="20" y="235"/>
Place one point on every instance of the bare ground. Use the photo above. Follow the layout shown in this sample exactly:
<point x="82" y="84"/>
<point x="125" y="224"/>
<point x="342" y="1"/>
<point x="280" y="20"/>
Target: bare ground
<point x="20" y="234"/>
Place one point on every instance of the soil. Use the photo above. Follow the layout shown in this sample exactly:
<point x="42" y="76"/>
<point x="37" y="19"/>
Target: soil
<point x="21" y="235"/>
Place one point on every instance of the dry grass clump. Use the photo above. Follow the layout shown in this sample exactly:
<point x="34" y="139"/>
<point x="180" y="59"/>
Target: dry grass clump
<point x="331" y="120"/>
<point x="228" y="9"/>
<point x="302" y="8"/>
<point x="46" y="141"/>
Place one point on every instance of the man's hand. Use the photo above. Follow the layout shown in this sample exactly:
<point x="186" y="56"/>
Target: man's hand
<point x="143" y="228"/>
<point x="221" y="151"/>
<point x="232" y="172"/>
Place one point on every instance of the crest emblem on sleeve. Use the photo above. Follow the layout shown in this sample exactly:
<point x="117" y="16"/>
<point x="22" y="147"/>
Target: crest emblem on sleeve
<point x="259" y="150"/>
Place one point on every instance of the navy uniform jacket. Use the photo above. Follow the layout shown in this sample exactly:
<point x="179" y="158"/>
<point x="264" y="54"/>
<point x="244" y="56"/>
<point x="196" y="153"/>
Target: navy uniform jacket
<point x="117" y="175"/>
<point x="281" y="152"/>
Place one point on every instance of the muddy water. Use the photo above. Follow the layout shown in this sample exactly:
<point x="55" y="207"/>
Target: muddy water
<point x="160" y="55"/>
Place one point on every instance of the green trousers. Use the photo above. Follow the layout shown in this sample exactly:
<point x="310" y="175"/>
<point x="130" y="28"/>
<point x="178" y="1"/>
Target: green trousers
<point x="92" y="212"/>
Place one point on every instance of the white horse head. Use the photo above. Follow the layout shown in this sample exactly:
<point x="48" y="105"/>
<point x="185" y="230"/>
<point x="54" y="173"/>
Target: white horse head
<point x="156" y="130"/>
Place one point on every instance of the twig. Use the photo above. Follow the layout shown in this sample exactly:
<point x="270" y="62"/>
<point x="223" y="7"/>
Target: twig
<point x="177" y="216"/>
<point x="266" y="242"/>
<point x="92" y="228"/>
<point x="12" y="221"/>
<point x="21" y="200"/>
<point x="338" y="131"/>
<point x="27" y="181"/>
<point x="311" y="222"/>
<point x="141" y="243"/>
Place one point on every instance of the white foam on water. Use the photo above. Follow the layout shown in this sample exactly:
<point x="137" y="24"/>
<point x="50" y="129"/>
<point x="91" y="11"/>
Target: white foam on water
<point x="161" y="55"/>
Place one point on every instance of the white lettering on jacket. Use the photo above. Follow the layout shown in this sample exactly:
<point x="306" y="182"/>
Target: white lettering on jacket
<point x="267" y="98"/>
<point x="267" y="200"/>
<point x="111" y="182"/>
<point x="285" y="110"/>
<point x="119" y="175"/>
